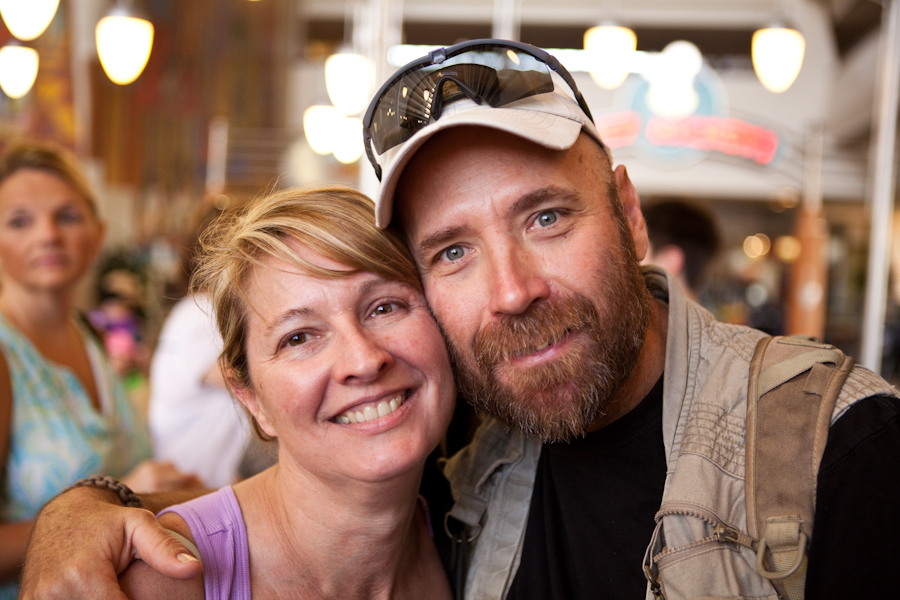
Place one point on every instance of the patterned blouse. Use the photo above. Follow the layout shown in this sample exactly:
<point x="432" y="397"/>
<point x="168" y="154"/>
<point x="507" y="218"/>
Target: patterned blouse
<point x="57" y="436"/>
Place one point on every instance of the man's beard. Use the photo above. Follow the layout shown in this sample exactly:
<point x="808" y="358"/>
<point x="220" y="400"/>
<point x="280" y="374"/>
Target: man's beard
<point x="558" y="400"/>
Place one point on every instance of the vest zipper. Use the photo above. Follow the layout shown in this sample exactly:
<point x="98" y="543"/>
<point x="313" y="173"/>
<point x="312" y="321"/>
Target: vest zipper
<point x="657" y="552"/>
<point x="722" y="531"/>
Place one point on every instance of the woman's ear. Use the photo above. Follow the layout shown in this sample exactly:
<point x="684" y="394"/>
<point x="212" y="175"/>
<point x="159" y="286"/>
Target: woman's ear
<point x="247" y="397"/>
<point x="101" y="236"/>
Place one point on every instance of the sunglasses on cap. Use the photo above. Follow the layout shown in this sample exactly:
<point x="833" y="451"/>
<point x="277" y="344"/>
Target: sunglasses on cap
<point x="493" y="72"/>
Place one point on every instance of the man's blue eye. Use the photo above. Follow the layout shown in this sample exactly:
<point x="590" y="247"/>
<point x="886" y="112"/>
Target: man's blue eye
<point x="546" y="218"/>
<point x="454" y="253"/>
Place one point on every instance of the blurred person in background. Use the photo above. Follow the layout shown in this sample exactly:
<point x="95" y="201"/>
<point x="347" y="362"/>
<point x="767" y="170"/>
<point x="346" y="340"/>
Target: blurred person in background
<point x="684" y="240"/>
<point x="63" y="413"/>
<point x="119" y="318"/>
<point x="194" y="421"/>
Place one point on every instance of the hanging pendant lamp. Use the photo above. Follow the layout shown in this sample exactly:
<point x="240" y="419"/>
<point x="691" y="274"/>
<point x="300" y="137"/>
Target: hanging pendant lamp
<point x="347" y="81"/>
<point x="124" y="41"/>
<point x="777" y="56"/>
<point x="27" y="19"/>
<point x="612" y="50"/>
<point x="18" y="69"/>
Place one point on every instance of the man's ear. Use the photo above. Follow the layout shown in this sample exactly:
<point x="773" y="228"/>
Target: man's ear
<point x="247" y="397"/>
<point x="631" y="203"/>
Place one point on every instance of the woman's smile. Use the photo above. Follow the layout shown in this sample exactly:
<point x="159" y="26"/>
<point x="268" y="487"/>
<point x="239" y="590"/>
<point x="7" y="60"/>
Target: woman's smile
<point x="365" y="412"/>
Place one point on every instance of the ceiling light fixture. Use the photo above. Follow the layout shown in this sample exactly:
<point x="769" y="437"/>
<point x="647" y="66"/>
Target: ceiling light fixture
<point x="27" y="19"/>
<point x="612" y="49"/>
<point x="347" y="81"/>
<point x="18" y="69"/>
<point x="777" y="56"/>
<point x="319" y="124"/>
<point x="124" y="41"/>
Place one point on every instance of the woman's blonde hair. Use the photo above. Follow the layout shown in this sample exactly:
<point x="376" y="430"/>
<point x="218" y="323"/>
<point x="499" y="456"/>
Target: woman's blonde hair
<point x="336" y="222"/>
<point x="49" y="159"/>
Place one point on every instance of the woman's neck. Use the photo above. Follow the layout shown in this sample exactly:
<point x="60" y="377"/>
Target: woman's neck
<point x="36" y="313"/>
<point x="359" y="540"/>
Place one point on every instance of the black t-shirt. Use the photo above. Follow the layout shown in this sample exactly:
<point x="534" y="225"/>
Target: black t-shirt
<point x="592" y="509"/>
<point x="591" y="515"/>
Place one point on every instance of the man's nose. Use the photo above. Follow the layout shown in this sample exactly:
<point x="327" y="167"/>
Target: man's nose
<point x="517" y="281"/>
<point x="362" y="357"/>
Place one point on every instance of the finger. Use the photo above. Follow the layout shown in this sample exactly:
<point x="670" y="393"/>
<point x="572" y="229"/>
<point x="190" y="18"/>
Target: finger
<point x="166" y="555"/>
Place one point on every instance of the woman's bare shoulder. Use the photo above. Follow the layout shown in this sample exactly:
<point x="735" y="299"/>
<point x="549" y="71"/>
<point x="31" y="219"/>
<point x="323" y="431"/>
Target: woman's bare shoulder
<point x="139" y="581"/>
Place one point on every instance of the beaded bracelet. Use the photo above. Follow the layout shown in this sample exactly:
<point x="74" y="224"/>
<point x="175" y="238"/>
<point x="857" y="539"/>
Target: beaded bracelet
<point x="128" y="497"/>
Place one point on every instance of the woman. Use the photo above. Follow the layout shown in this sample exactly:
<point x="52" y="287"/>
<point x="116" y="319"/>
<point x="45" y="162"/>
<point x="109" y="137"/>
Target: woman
<point x="63" y="414"/>
<point x="329" y="345"/>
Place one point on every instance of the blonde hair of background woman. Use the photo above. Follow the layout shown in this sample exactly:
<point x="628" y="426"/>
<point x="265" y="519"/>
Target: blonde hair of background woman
<point x="49" y="159"/>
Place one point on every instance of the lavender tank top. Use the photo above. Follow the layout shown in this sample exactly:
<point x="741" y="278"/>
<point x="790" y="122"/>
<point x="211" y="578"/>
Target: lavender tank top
<point x="220" y="534"/>
<point x="217" y="526"/>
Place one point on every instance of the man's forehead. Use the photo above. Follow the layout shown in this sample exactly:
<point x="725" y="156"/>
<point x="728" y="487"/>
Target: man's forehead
<point x="448" y="156"/>
<point x="444" y="160"/>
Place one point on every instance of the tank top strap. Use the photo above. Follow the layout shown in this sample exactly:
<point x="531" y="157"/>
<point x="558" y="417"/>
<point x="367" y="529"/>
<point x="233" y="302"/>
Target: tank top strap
<point x="217" y="526"/>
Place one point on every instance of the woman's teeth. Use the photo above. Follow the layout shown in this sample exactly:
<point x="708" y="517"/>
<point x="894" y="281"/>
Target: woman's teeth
<point x="371" y="411"/>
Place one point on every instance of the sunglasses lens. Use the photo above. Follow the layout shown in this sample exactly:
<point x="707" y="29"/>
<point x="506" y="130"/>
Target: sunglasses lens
<point x="490" y="74"/>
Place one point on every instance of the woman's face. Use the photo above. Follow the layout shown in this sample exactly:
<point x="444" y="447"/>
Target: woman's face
<point x="350" y="374"/>
<point x="49" y="235"/>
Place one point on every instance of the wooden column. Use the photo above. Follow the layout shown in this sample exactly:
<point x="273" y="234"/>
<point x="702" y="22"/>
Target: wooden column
<point x="809" y="277"/>
<point x="808" y="286"/>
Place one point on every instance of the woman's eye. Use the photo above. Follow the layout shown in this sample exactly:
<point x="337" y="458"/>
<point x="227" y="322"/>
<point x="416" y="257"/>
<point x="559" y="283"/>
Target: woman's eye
<point x="69" y="216"/>
<point x="383" y="309"/>
<point x="454" y="253"/>
<point x="18" y="222"/>
<point x="547" y="218"/>
<point x="297" y="339"/>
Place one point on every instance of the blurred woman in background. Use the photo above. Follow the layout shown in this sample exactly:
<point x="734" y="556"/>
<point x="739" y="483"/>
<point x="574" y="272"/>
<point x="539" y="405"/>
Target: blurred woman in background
<point x="63" y="413"/>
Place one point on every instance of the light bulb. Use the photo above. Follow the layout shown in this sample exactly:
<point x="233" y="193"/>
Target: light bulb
<point x="671" y="94"/>
<point x="18" y="70"/>
<point x="320" y="123"/>
<point x="347" y="82"/>
<point x="27" y="19"/>
<point x="612" y="50"/>
<point x="123" y="44"/>
<point x="777" y="57"/>
<point x="349" y="143"/>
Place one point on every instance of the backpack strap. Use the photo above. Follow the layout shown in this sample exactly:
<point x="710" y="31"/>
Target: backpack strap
<point x="794" y="384"/>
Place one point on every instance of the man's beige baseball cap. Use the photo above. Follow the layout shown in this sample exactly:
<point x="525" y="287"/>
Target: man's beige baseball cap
<point x="551" y="119"/>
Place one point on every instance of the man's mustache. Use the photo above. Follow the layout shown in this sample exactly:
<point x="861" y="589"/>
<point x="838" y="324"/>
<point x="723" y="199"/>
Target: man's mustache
<point x="541" y="325"/>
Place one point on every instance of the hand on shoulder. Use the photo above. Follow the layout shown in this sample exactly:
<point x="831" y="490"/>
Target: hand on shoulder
<point x="141" y="581"/>
<point x="83" y="539"/>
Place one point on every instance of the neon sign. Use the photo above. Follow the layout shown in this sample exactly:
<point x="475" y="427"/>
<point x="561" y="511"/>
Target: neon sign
<point x="699" y="132"/>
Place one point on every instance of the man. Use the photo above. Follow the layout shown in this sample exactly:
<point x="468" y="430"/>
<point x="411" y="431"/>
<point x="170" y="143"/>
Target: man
<point x="528" y="243"/>
<point x="684" y="240"/>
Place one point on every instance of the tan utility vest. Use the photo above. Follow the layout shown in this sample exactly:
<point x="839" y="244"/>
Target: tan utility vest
<point x="701" y="548"/>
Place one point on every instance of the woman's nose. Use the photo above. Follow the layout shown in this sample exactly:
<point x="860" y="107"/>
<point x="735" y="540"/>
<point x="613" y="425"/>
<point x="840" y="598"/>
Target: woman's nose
<point x="362" y="357"/>
<point x="48" y="230"/>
